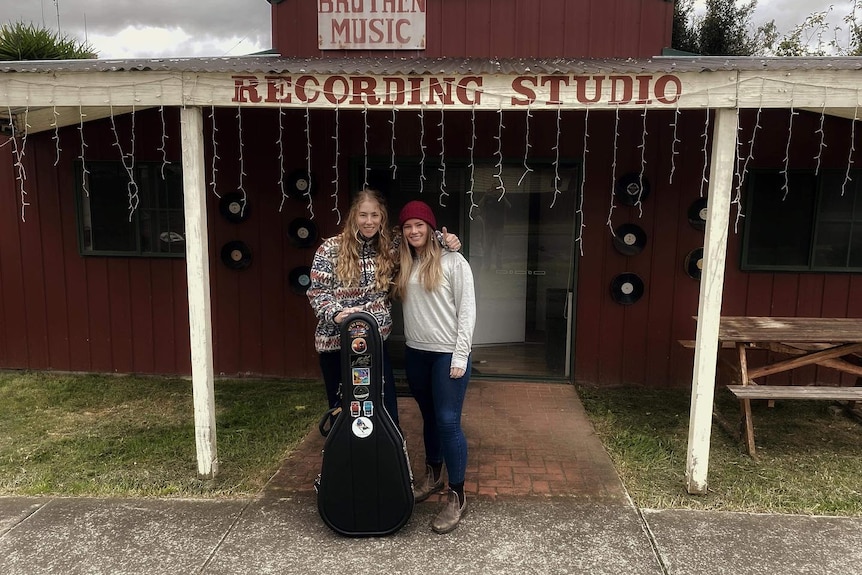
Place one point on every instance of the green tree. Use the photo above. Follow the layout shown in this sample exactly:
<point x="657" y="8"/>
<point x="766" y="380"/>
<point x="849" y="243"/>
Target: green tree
<point x="807" y="38"/>
<point x="817" y="36"/>
<point x="725" y="29"/>
<point x="684" y="34"/>
<point x="20" y="41"/>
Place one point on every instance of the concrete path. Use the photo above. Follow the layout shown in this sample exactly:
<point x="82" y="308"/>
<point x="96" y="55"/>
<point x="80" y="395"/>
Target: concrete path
<point x="553" y="535"/>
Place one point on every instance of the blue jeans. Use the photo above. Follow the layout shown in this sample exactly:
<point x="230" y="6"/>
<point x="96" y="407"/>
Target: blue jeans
<point x="440" y="400"/>
<point x="330" y="367"/>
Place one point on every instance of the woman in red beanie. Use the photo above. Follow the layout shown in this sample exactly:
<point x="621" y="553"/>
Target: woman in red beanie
<point x="439" y="316"/>
<point x="353" y="272"/>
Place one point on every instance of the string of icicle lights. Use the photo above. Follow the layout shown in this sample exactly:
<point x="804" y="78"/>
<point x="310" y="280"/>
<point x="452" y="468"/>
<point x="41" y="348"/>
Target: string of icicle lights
<point x="127" y="151"/>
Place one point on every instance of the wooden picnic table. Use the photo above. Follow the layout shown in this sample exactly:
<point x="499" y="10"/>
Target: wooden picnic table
<point x="835" y="343"/>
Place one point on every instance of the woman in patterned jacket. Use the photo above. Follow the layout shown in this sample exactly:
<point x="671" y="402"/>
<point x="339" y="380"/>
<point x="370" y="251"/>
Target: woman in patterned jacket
<point x="352" y="272"/>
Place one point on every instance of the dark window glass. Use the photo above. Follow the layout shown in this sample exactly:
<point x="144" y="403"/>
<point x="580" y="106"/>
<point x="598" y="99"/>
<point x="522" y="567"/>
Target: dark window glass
<point x="108" y="224"/>
<point x="814" y="222"/>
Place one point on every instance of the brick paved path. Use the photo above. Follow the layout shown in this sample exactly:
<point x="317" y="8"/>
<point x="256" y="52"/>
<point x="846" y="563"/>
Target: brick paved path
<point x="524" y="439"/>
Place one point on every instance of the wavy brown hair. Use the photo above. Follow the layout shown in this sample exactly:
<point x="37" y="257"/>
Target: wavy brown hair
<point x="347" y="270"/>
<point x="429" y="263"/>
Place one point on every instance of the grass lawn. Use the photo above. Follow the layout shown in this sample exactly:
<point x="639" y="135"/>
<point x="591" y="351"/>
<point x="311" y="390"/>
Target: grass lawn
<point x="100" y="435"/>
<point x="134" y="436"/>
<point x="809" y="453"/>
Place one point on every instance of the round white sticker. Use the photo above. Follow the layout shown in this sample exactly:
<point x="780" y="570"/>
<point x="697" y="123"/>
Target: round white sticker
<point x="362" y="427"/>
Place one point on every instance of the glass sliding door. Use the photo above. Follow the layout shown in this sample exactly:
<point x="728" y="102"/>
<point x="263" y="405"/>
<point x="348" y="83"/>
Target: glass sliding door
<point x="521" y="252"/>
<point x="521" y="247"/>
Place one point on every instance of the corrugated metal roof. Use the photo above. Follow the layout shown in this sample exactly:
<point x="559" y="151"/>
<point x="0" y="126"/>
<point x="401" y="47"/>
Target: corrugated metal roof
<point x="274" y="64"/>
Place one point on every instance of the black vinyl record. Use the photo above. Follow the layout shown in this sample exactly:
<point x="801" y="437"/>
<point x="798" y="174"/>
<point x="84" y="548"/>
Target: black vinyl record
<point x="629" y="239"/>
<point x="300" y="279"/>
<point x="234" y="207"/>
<point x="627" y="288"/>
<point x="632" y="188"/>
<point x="236" y="255"/>
<point x="299" y="184"/>
<point x="697" y="214"/>
<point x="302" y="232"/>
<point x="694" y="263"/>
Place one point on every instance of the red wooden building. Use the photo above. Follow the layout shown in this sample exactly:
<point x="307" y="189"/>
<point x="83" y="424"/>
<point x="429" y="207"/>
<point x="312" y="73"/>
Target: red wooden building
<point x="545" y="128"/>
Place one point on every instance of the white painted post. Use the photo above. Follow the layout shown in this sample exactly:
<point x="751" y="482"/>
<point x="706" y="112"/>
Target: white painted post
<point x="709" y="305"/>
<point x="198" y="275"/>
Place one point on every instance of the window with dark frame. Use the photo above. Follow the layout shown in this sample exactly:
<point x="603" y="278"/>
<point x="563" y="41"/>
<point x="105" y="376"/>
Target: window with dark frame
<point x="804" y="222"/>
<point x="108" y="226"/>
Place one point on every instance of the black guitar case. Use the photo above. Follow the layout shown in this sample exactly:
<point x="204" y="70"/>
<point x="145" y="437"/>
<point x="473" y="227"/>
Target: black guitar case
<point x="365" y="483"/>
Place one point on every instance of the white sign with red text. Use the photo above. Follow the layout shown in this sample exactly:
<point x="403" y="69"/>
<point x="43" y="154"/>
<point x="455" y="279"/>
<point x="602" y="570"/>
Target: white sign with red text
<point x="371" y="24"/>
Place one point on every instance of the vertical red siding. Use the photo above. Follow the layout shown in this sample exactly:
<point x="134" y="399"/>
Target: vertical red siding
<point x="478" y="14"/>
<point x="33" y="272"/>
<point x="60" y="310"/>
<point x="456" y="31"/>
<point x="54" y="258"/>
<point x="142" y="332"/>
<point x="506" y="28"/>
<point x="13" y="315"/>
<point x="161" y="297"/>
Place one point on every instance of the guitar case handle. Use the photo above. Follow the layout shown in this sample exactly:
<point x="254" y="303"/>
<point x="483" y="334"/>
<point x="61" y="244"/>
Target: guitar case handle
<point x="328" y="418"/>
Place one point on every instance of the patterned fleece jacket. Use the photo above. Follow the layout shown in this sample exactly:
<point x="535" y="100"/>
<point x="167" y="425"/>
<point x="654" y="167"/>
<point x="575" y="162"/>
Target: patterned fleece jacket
<point x="328" y="296"/>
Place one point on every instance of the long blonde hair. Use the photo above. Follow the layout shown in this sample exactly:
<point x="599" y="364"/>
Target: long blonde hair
<point x="428" y="261"/>
<point x="347" y="270"/>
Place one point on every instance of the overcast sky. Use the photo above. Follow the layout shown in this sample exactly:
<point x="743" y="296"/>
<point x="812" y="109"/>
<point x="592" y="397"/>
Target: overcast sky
<point x="153" y="28"/>
<point x="169" y="28"/>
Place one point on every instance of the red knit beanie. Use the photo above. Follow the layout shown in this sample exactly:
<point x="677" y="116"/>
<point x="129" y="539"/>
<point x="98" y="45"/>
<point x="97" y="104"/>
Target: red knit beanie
<point x="418" y="210"/>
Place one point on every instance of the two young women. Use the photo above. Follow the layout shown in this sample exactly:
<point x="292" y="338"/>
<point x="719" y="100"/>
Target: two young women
<point x="353" y="271"/>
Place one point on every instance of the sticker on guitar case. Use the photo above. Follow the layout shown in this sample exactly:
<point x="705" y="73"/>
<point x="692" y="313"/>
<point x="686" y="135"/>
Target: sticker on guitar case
<point x="362" y="427"/>
<point x="361" y="376"/>
<point x="358" y="329"/>
<point x="359" y="345"/>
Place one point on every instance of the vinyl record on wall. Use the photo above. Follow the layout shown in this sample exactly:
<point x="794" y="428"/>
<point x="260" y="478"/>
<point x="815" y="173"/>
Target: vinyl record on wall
<point x="300" y="279"/>
<point x="234" y="207"/>
<point x="299" y="184"/>
<point x="236" y="255"/>
<point x="627" y="288"/>
<point x="302" y="232"/>
<point x="694" y="263"/>
<point x="632" y="188"/>
<point x="629" y="239"/>
<point x="697" y="214"/>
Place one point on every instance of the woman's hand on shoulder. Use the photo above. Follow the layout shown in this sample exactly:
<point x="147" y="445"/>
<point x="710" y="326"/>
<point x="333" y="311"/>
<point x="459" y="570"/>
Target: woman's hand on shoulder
<point x="451" y="241"/>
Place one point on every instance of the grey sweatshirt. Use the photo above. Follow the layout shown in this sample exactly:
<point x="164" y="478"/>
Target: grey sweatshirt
<point x="442" y="320"/>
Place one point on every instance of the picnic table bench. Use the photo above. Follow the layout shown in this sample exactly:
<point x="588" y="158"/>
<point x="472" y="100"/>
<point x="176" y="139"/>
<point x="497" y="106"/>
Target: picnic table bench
<point x="835" y="343"/>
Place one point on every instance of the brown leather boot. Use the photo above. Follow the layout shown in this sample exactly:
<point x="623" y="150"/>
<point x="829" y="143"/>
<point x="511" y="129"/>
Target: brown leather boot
<point x="427" y="485"/>
<point x="451" y="514"/>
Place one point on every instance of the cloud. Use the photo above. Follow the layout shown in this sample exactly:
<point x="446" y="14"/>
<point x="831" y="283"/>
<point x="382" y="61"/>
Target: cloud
<point x="790" y="13"/>
<point x="154" y="28"/>
<point x="150" y="42"/>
